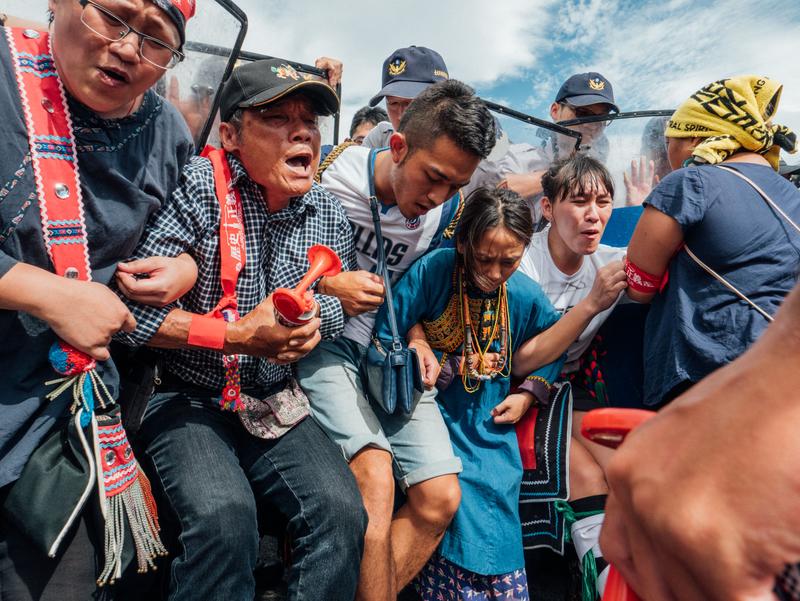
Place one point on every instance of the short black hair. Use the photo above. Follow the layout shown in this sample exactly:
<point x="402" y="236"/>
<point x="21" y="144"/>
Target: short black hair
<point x="487" y="208"/>
<point x="576" y="174"/>
<point x="367" y="114"/>
<point x="449" y="108"/>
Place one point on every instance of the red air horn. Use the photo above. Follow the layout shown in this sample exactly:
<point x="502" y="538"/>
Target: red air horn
<point x="296" y="307"/>
<point x="609" y="427"/>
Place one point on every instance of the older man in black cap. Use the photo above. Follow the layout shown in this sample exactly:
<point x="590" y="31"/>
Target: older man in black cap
<point x="220" y="468"/>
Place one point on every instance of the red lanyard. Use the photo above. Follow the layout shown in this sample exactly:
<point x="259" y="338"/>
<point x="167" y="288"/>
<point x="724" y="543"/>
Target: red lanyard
<point x="209" y="330"/>
<point x="231" y="229"/>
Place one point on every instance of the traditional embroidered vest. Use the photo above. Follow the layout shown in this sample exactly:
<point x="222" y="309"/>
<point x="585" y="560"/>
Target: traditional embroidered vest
<point x="125" y="499"/>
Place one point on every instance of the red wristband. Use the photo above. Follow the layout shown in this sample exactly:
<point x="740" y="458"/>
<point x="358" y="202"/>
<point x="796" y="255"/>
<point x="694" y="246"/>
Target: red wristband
<point x="641" y="281"/>
<point x="207" y="332"/>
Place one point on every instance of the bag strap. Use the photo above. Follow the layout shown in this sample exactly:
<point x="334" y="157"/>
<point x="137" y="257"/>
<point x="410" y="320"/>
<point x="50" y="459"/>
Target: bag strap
<point x="720" y="278"/>
<point x="383" y="271"/>
<point x="763" y="195"/>
<point x="726" y="283"/>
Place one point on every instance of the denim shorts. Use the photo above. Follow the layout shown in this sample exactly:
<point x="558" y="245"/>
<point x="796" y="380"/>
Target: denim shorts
<point x="420" y="445"/>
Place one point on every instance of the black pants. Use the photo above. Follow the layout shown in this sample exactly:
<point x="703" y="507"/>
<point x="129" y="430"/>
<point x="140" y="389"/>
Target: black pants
<point x="27" y="574"/>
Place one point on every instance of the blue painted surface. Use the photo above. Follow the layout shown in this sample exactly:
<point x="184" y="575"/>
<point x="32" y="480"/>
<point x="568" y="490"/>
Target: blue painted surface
<point x="621" y="225"/>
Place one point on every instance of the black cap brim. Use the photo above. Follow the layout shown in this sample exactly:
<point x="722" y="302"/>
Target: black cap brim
<point x="587" y="99"/>
<point x="324" y="97"/>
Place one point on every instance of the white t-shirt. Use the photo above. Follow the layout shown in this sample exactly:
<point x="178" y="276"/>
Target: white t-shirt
<point x="404" y="240"/>
<point x="566" y="291"/>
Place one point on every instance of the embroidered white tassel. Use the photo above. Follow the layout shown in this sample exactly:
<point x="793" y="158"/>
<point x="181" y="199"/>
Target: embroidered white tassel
<point x="126" y="500"/>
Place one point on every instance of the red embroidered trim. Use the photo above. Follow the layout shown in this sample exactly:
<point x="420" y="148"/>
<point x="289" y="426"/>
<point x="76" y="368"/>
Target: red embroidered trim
<point x="53" y="153"/>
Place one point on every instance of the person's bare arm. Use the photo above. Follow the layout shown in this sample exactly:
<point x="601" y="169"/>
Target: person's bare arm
<point x="526" y="185"/>
<point x="83" y="314"/>
<point x="656" y="238"/>
<point x="704" y="500"/>
<point x="554" y="341"/>
<point x="258" y="334"/>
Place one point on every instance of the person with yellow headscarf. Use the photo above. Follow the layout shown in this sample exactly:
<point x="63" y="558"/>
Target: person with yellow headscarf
<point x="717" y="248"/>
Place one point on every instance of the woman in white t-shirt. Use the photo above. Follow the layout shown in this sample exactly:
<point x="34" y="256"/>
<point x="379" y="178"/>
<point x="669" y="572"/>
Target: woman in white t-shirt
<point x="565" y="259"/>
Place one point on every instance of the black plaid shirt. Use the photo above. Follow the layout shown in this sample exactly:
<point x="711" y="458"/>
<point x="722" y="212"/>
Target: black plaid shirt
<point x="276" y="246"/>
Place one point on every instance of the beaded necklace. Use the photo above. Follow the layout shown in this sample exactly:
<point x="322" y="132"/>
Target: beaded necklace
<point x="494" y="325"/>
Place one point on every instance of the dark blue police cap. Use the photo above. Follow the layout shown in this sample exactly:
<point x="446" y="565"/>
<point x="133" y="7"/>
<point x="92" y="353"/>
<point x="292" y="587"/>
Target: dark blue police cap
<point x="583" y="89"/>
<point x="408" y="71"/>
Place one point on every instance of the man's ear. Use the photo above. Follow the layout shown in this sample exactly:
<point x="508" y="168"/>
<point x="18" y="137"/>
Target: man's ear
<point x="398" y="147"/>
<point x="547" y="208"/>
<point x="228" y="137"/>
<point x="555" y="112"/>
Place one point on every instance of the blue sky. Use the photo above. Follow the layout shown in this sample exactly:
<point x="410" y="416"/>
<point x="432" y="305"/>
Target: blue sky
<point x="517" y="52"/>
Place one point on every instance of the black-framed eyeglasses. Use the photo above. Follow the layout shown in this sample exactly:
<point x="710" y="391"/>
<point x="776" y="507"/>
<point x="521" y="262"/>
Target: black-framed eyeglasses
<point x="109" y="26"/>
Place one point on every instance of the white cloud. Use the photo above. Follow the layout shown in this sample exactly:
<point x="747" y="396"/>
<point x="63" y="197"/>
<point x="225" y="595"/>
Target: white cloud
<point x="659" y="54"/>
<point x="656" y="52"/>
<point x="481" y="42"/>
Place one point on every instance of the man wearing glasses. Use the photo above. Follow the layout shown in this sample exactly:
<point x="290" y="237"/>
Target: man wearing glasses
<point x="129" y="147"/>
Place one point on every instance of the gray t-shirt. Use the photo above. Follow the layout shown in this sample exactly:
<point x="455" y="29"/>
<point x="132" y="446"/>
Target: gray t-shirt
<point x="379" y="136"/>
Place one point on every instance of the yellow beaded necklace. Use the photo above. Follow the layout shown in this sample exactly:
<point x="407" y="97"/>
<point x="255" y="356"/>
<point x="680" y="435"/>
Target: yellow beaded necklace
<point x="474" y="365"/>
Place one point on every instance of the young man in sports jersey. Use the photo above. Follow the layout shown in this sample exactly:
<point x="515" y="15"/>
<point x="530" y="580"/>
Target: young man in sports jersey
<point x="221" y="469"/>
<point x="441" y="138"/>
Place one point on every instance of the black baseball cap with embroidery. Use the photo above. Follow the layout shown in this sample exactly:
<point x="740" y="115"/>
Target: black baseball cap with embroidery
<point x="583" y="89"/>
<point x="408" y="71"/>
<point x="261" y="82"/>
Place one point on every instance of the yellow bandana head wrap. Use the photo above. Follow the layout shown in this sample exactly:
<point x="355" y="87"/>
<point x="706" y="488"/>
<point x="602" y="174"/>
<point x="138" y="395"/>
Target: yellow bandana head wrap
<point x="733" y="114"/>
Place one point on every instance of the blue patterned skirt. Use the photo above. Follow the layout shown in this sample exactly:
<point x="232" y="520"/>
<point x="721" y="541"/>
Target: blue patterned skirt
<point x="442" y="580"/>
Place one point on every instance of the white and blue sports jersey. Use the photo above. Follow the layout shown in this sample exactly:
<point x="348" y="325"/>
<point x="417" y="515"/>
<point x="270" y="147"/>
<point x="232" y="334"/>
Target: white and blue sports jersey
<point x="405" y="240"/>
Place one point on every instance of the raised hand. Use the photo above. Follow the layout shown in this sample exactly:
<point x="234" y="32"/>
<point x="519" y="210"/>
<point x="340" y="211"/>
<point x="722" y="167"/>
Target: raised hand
<point x="334" y="68"/>
<point x="640" y="181"/>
